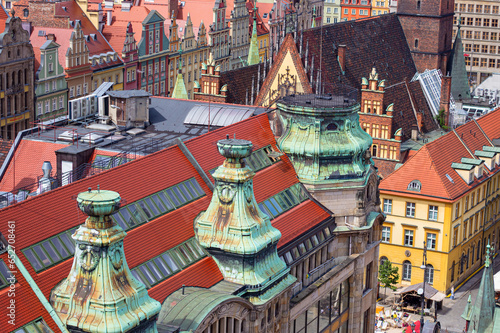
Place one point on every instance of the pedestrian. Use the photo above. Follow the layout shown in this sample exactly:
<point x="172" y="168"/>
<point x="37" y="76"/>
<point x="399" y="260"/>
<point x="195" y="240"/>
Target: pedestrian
<point x="452" y="292"/>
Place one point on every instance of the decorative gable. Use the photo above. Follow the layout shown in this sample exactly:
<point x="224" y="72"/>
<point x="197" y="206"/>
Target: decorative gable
<point x="287" y="76"/>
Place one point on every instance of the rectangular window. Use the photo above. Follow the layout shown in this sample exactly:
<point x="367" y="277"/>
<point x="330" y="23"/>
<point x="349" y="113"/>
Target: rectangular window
<point x="494" y="23"/>
<point x="433" y="213"/>
<point x="408" y="241"/>
<point x="47" y="106"/>
<point x="475" y="62"/>
<point x="431" y="241"/>
<point x="410" y="209"/>
<point x="486" y="22"/>
<point x="353" y="11"/>
<point x="479" y="8"/>
<point x="467" y="47"/>
<point x="387" y="206"/>
<point x="495" y="10"/>
<point x="46" y="87"/>
<point x="61" y="102"/>
<point x="386" y="234"/>
<point x="486" y="35"/>
<point x="484" y="62"/>
<point x="54" y="85"/>
<point x="54" y="104"/>
<point x="455" y="237"/>
<point x="468" y="34"/>
<point x="462" y="7"/>
<point x="484" y="48"/>
<point x="476" y="48"/>
<point x="71" y="92"/>
<point x="470" y="21"/>
<point x="39" y="108"/>
<point x="487" y="9"/>
<point x="470" y="8"/>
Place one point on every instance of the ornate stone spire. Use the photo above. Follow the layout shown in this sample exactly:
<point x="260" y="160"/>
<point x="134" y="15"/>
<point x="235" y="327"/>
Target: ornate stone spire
<point x="100" y="294"/>
<point x="237" y="233"/>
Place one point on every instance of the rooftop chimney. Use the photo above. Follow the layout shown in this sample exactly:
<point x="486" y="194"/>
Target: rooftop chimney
<point x="109" y="17"/>
<point x="444" y="103"/>
<point x="51" y="37"/>
<point x="341" y="57"/>
<point x="47" y="169"/>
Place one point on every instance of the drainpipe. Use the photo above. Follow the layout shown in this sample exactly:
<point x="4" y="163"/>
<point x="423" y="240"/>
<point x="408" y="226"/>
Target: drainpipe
<point x="37" y="291"/>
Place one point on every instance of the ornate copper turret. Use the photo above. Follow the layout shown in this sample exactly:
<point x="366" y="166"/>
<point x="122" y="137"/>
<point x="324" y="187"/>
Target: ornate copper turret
<point x="237" y="233"/>
<point x="100" y="294"/>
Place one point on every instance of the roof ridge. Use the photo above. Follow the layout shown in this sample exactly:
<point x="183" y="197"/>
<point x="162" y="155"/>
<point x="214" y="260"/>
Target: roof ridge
<point x="405" y="163"/>
<point x="463" y="143"/>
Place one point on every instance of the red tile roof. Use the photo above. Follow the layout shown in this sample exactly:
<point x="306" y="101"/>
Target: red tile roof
<point x="62" y="37"/>
<point x="3" y="18"/>
<point x="489" y="125"/>
<point x="55" y="211"/>
<point x="431" y="165"/>
<point x="25" y="167"/>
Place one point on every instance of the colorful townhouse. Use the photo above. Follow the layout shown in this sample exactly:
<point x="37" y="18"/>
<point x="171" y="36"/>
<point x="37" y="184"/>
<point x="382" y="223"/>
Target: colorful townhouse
<point x="51" y="88"/>
<point x="380" y="7"/>
<point x="331" y="11"/>
<point x="446" y="195"/>
<point x="16" y="77"/>
<point x="153" y="50"/>
<point x="189" y="53"/>
<point x="355" y="9"/>
<point x="261" y="29"/>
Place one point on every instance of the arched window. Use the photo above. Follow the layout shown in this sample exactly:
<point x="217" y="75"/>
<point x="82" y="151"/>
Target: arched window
<point x="406" y="270"/>
<point x="462" y="262"/>
<point x="418" y="4"/>
<point x="467" y="262"/>
<point x="478" y="253"/>
<point x="383" y="259"/>
<point x="374" y="150"/>
<point x="429" y="274"/>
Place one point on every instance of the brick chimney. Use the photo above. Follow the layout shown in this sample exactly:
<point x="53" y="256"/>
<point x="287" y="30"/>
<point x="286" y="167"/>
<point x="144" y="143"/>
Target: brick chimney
<point x="444" y="102"/>
<point x="420" y="121"/>
<point x="341" y="56"/>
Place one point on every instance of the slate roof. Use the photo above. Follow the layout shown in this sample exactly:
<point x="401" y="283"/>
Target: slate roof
<point x="458" y="70"/>
<point x="431" y="165"/>
<point x="409" y="99"/>
<point x="55" y="211"/>
<point x="239" y="83"/>
<point x="375" y="41"/>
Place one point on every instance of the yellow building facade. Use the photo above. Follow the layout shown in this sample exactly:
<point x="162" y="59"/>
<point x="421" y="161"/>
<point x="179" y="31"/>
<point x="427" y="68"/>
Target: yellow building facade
<point x="380" y="7"/>
<point x="430" y="198"/>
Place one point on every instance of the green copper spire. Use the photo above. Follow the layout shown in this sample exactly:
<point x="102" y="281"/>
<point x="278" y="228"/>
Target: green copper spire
<point x="100" y="294"/>
<point x="483" y="311"/>
<point x="237" y="234"/>
<point x="468" y="309"/>
<point x="458" y="71"/>
<point x="253" y="52"/>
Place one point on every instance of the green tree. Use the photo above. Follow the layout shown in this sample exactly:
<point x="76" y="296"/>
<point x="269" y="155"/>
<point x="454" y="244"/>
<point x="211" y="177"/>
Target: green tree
<point x="388" y="276"/>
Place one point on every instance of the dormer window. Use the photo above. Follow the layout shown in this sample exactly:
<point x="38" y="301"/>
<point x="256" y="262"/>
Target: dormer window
<point x="414" y="185"/>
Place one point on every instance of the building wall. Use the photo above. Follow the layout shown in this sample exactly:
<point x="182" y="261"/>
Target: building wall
<point x="114" y="74"/>
<point x="451" y="242"/>
<point x="51" y="90"/>
<point x="380" y="7"/>
<point x="480" y="37"/>
<point x="17" y="91"/>
<point x="331" y="11"/>
<point x="355" y="9"/>
<point x="239" y="33"/>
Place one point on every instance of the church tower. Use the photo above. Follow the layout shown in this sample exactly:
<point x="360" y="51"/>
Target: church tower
<point x="428" y="26"/>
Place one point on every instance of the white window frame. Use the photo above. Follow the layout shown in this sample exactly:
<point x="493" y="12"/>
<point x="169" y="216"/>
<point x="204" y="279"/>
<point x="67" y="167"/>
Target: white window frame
<point x="410" y="209"/>
<point x="387" y="206"/>
<point x="433" y="213"/>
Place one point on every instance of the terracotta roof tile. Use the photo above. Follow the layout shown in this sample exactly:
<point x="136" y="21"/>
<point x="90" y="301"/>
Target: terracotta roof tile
<point x="62" y="36"/>
<point x="489" y="125"/>
<point x="431" y="165"/>
<point x="3" y="18"/>
<point x="25" y="167"/>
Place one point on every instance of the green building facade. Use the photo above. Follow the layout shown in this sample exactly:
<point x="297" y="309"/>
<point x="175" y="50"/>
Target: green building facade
<point x="51" y="92"/>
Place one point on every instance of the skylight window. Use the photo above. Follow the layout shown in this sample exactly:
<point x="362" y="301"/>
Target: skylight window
<point x="54" y="250"/>
<point x="5" y="276"/>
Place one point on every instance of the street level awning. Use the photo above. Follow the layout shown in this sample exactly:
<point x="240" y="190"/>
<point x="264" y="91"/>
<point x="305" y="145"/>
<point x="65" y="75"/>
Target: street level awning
<point x="429" y="293"/>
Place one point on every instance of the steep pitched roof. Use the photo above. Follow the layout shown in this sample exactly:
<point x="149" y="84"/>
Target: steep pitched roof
<point x="3" y="18"/>
<point x="409" y="100"/>
<point x="377" y="41"/>
<point x="239" y="83"/>
<point x="287" y="52"/>
<point x="456" y="64"/>
<point x="432" y="164"/>
<point x="62" y="37"/>
<point x="55" y="212"/>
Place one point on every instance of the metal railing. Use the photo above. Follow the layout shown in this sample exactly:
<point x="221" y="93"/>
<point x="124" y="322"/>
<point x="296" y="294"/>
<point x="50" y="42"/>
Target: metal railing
<point x="318" y="272"/>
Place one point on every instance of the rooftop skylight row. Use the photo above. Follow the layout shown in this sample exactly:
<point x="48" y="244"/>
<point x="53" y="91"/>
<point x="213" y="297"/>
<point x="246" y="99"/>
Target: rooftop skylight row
<point x="168" y="263"/>
<point x="283" y="201"/>
<point x="107" y="162"/>
<point x="258" y="160"/>
<point x="158" y="204"/>
<point x="36" y="326"/>
<point x="309" y="245"/>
